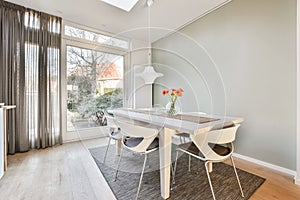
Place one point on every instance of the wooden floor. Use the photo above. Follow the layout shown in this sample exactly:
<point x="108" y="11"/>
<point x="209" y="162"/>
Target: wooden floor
<point x="69" y="172"/>
<point x="64" y="172"/>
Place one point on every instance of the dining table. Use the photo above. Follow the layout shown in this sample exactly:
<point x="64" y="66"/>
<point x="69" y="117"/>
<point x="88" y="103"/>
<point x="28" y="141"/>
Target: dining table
<point x="169" y="125"/>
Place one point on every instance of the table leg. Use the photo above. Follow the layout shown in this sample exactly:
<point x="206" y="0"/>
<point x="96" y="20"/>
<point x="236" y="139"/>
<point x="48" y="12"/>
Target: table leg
<point x="118" y="147"/>
<point x="165" y="148"/>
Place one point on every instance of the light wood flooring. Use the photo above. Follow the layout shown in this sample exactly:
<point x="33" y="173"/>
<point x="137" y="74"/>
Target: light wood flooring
<point x="68" y="172"/>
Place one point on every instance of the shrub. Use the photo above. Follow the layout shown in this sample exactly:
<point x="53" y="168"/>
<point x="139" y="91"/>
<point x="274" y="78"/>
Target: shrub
<point x="93" y="107"/>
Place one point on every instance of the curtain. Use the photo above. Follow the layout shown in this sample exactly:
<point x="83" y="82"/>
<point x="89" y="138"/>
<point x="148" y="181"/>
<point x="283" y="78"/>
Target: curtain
<point x="42" y="50"/>
<point x="37" y="121"/>
<point x="12" y="73"/>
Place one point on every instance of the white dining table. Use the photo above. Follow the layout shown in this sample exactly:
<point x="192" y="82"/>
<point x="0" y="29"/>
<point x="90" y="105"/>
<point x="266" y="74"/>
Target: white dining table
<point x="170" y="125"/>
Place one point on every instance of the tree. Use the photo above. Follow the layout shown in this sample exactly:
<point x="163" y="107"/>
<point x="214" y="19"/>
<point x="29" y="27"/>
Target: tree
<point x="84" y="67"/>
<point x="86" y="64"/>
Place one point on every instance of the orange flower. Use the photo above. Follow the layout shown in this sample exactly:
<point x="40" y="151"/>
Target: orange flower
<point x="178" y="92"/>
<point x="173" y="92"/>
<point x="164" y="92"/>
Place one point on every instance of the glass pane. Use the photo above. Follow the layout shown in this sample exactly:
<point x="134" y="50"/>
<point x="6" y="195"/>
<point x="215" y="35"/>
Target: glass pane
<point x="95" y="37"/>
<point x="94" y="83"/>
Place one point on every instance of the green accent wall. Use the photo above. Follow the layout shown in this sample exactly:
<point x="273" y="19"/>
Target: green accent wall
<point x="239" y="60"/>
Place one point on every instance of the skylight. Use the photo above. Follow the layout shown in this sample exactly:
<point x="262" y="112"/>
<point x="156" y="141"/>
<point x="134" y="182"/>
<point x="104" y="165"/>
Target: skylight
<point x="124" y="5"/>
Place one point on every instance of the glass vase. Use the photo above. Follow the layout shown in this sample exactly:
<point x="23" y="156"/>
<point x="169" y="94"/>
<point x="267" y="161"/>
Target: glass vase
<point x="172" y="108"/>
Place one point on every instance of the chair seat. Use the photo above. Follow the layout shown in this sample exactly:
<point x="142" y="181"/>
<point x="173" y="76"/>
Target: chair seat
<point x="132" y="142"/>
<point x="116" y="135"/>
<point x="191" y="148"/>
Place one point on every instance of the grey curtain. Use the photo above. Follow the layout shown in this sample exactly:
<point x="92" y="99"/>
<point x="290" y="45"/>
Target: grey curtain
<point x="12" y="73"/>
<point x="32" y="76"/>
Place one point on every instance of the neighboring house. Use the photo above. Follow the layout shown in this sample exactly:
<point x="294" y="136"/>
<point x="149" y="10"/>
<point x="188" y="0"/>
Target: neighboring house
<point x="107" y="78"/>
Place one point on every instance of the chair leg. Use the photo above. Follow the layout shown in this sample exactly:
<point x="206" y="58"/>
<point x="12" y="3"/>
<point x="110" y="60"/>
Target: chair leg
<point x="174" y="171"/>
<point x="237" y="177"/>
<point x="189" y="163"/>
<point x="141" y="178"/>
<point x="207" y="173"/>
<point x="116" y="175"/>
<point x="106" y="150"/>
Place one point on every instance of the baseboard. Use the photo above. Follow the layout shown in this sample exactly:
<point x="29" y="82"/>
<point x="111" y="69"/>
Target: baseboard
<point x="297" y="180"/>
<point x="85" y="134"/>
<point x="84" y="138"/>
<point x="269" y="165"/>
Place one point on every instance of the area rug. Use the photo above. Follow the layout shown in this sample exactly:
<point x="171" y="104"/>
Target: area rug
<point x="191" y="185"/>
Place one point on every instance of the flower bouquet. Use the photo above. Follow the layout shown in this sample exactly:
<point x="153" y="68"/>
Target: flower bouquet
<point x="173" y="94"/>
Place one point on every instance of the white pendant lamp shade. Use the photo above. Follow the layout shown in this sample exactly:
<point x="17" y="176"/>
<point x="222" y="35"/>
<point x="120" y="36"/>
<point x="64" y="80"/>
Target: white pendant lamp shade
<point x="149" y="75"/>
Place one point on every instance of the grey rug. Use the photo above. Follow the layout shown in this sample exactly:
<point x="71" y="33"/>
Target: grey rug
<point x="191" y="185"/>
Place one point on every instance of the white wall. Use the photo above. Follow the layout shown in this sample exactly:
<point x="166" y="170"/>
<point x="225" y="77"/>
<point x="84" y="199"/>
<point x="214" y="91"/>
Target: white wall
<point x="141" y="94"/>
<point x="297" y="178"/>
<point x="240" y="60"/>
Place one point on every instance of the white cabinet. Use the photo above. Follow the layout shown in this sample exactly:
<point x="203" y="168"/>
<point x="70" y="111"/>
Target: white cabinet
<point x="3" y="154"/>
<point x="1" y="143"/>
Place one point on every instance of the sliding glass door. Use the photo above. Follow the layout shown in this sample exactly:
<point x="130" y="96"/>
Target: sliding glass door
<point x="94" y="84"/>
<point x="93" y="68"/>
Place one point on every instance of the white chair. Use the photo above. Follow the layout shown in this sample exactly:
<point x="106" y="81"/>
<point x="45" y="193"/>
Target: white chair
<point x="137" y="139"/>
<point x="211" y="147"/>
<point x="185" y="136"/>
<point x="114" y="132"/>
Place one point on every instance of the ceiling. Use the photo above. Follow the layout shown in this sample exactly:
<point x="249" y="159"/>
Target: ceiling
<point x="163" y="16"/>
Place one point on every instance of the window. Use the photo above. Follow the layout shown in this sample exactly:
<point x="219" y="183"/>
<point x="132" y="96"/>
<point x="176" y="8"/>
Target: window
<point x="94" y="83"/>
<point x="95" y="37"/>
<point x="94" y="79"/>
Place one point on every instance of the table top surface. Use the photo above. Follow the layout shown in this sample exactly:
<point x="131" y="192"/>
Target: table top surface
<point x="184" y="122"/>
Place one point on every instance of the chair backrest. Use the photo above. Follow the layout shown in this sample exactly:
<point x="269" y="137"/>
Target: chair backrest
<point x="111" y="121"/>
<point x="134" y="131"/>
<point x="220" y="136"/>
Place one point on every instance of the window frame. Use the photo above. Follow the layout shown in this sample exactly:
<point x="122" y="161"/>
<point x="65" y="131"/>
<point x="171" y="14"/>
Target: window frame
<point x="86" y="28"/>
<point x="86" y="44"/>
